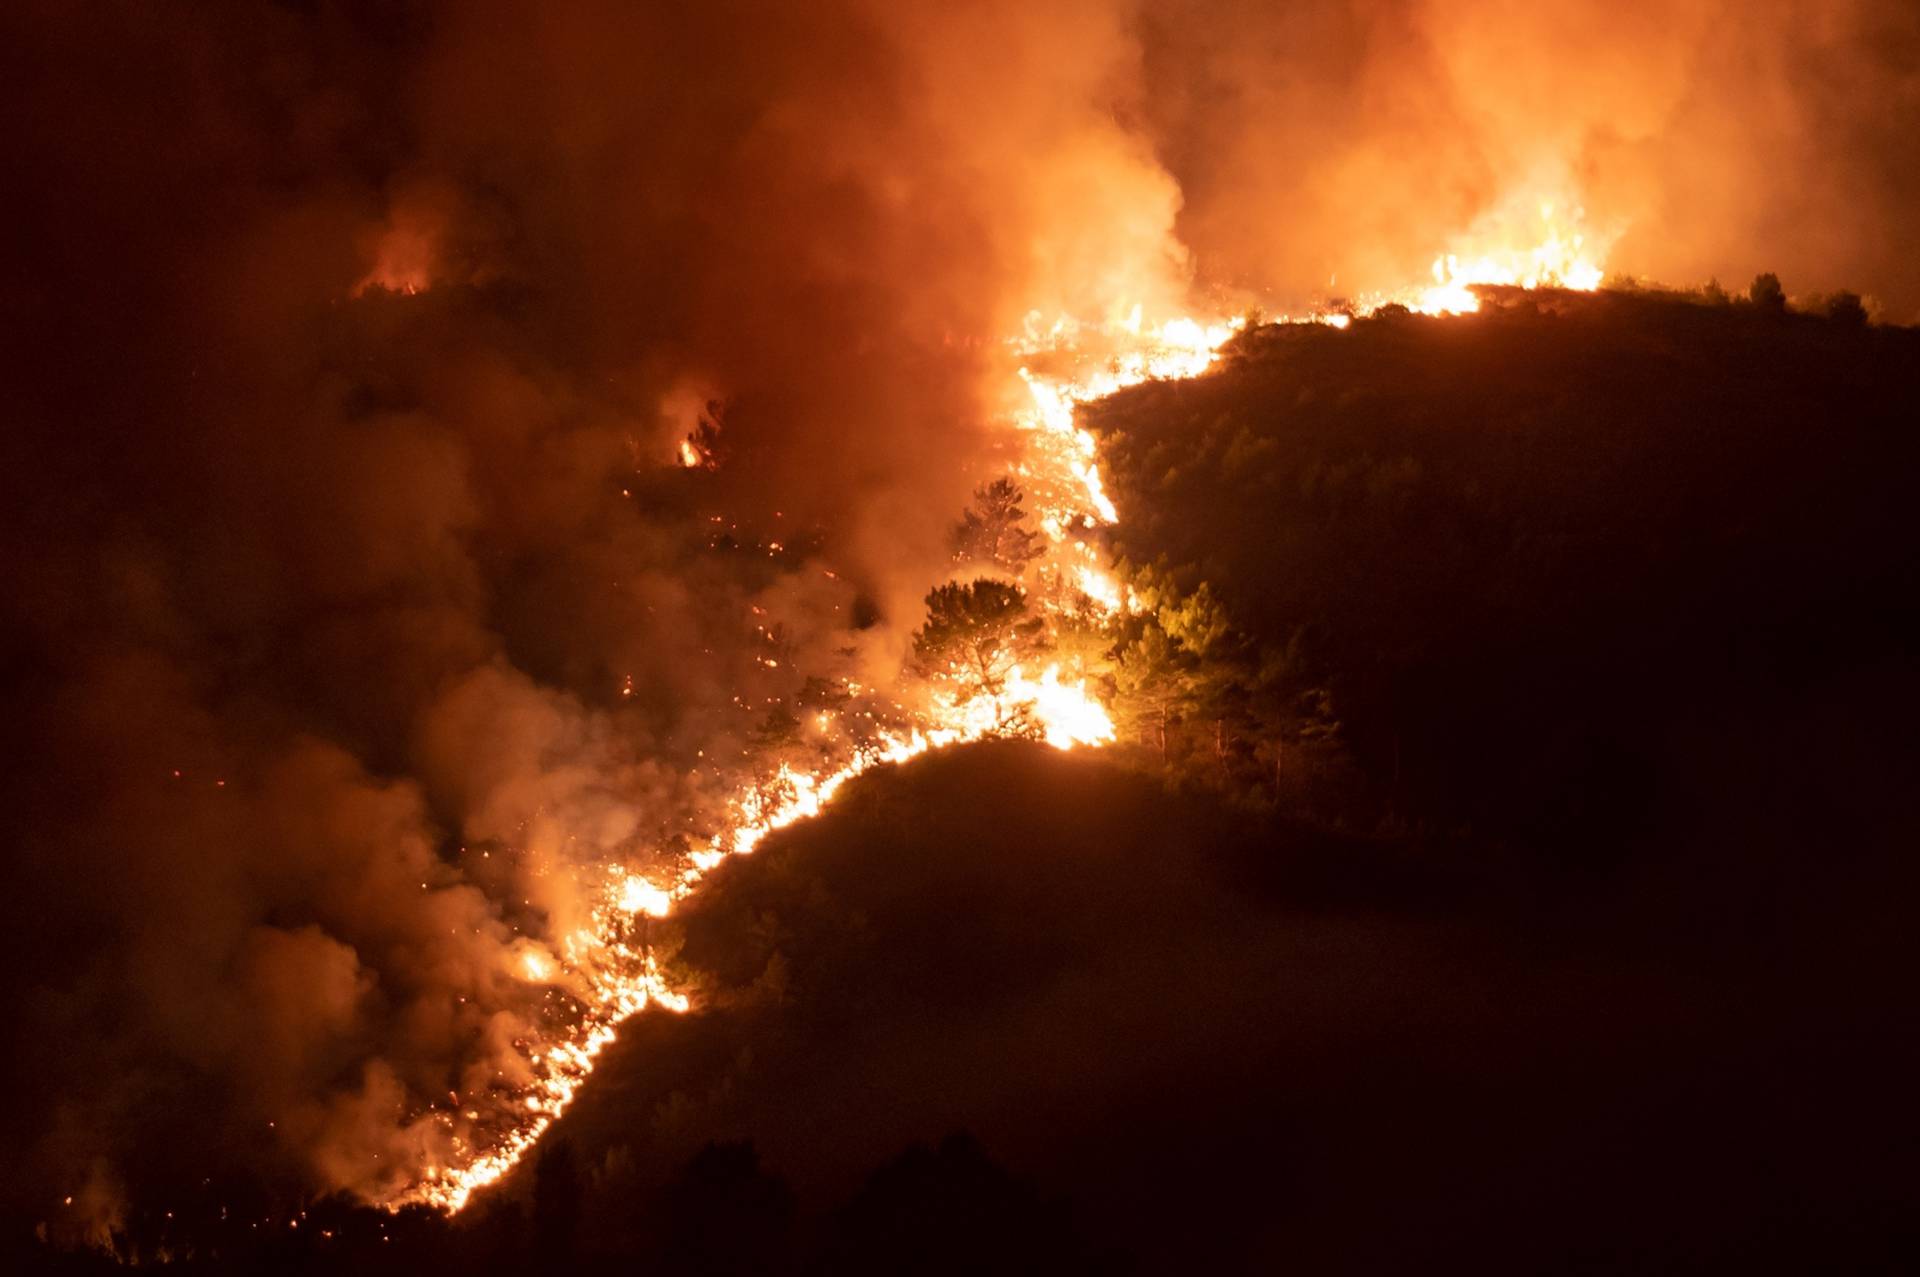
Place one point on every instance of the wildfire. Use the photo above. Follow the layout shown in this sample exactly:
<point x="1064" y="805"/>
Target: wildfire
<point x="1066" y="714"/>
<point x="637" y="895"/>
<point x="1509" y="248"/>
<point x="1084" y="363"/>
<point x="615" y="970"/>
<point x="609" y="968"/>
<point x="1101" y="588"/>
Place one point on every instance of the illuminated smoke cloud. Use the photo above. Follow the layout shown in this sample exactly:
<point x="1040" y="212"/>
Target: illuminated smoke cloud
<point x="1330" y="148"/>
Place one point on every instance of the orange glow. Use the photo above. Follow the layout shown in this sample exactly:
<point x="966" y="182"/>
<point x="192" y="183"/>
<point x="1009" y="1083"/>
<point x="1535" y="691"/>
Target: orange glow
<point x="403" y="259"/>
<point x="637" y="895"/>
<point x="608" y="965"/>
<point x="1528" y="243"/>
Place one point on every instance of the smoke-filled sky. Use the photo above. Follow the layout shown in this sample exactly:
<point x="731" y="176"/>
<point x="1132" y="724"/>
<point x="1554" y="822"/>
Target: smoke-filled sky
<point x="351" y="348"/>
<point x="1351" y="139"/>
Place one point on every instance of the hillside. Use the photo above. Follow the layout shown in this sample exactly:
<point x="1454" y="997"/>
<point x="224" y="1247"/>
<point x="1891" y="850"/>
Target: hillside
<point x="1554" y="561"/>
<point x="1582" y="948"/>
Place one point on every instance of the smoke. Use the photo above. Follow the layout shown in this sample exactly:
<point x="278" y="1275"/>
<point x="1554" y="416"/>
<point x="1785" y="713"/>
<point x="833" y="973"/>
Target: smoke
<point x="367" y="612"/>
<point x="362" y="608"/>
<point x="1337" y="147"/>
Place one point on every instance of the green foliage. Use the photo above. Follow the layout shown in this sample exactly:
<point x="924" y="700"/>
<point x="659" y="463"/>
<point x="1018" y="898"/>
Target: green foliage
<point x="1467" y="563"/>
<point x="1193" y="618"/>
<point x="1082" y="640"/>
<point x="1212" y="704"/>
<point x="993" y="531"/>
<point x="1198" y="621"/>
<point x="1153" y="684"/>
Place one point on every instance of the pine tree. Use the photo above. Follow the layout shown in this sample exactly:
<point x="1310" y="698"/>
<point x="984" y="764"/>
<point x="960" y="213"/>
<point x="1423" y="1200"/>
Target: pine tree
<point x="1154" y="679"/>
<point x="992" y="530"/>
<point x="976" y="632"/>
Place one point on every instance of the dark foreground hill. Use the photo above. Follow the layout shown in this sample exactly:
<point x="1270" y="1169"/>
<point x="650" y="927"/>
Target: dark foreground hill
<point x="1008" y="1011"/>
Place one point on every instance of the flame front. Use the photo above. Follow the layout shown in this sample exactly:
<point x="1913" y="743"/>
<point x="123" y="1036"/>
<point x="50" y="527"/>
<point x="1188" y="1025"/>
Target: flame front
<point x="608" y="967"/>
<point x="1525" y="243"/>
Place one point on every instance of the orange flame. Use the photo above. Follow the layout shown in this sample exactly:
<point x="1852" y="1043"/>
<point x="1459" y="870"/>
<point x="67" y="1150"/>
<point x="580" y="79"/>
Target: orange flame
<point x="609" y="966"/>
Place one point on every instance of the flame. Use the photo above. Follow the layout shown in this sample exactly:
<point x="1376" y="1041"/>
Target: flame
<point x="1062" y="454"/>
<point x="1555" y="252"/>
<point x="609" y="967"/>
<point x="1101" y="588"/>
<point x="1068" y="716"/>
<point x="404" y="254"/>
<point x="621" y="976"/>
<point x="637" y="895"/>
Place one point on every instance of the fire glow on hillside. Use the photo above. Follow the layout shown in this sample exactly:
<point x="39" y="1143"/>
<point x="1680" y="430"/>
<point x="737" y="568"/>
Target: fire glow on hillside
<point x="607" y="971"/>
<point x="482" y="469"/>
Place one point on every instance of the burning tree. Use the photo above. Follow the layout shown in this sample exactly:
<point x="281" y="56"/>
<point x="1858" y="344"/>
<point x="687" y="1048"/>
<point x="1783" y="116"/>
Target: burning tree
<point x="992" y="530"/>
<point x="700" y="449"/>
<point x="976" y="633"/>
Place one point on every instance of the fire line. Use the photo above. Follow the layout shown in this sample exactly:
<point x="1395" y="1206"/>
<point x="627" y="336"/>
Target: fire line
<point x="612" y="961"/>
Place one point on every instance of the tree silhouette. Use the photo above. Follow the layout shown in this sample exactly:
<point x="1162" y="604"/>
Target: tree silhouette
<point x="1846" y="309"/>
<point x="1765" y="292"/>
<point x="948" y="1211"/>
<point x="976" y="632"/>
<point x="701" y="448"/>
<point x="992" y="531"/>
